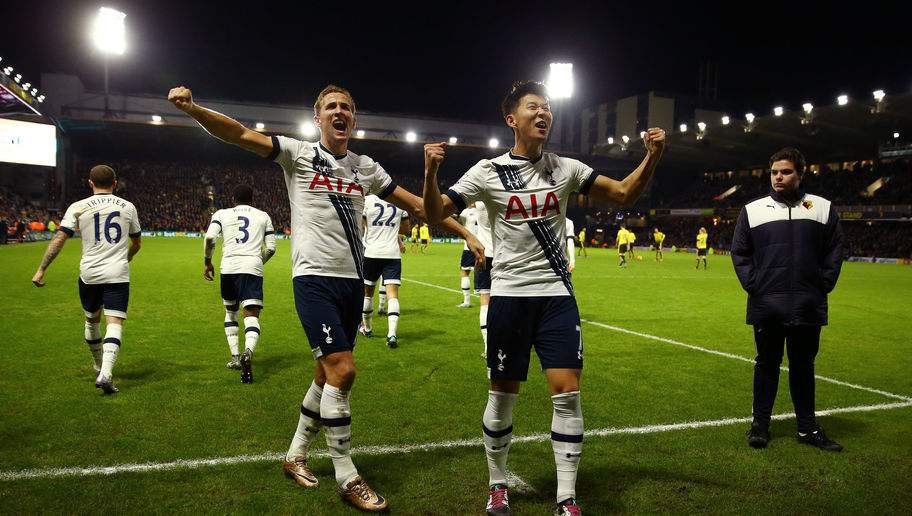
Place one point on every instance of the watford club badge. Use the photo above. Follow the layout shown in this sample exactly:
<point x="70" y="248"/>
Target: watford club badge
<point x="807" y="204"/>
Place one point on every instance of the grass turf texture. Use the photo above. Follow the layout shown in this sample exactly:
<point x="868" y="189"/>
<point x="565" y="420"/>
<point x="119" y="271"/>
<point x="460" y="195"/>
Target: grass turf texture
<point x="178" y="401"/>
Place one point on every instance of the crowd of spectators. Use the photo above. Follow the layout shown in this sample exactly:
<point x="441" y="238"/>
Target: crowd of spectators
<point x="20" y="220"/>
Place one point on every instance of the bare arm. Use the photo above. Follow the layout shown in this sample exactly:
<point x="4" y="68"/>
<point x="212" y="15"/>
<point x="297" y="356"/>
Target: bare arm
<point x="413" y="204"/>
<point x="438" y="207"/>
<point x="53" y="249"/>
<point x="135" y="244"/>
<point x="222" y="127"/>
<point x="626" y="191"/>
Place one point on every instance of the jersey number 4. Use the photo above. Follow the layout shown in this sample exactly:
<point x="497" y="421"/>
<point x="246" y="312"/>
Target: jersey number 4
<point x="245" y="223"/>
<point x="389" y="221"/>
<point x="109" y="226"/>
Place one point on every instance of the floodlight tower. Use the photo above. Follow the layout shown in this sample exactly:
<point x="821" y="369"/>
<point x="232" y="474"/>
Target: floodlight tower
<point x="560" y="87"/>
<point x="109" y="36"/>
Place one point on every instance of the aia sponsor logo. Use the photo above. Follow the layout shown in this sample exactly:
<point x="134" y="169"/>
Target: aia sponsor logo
<point x="531" y="206"/>
<point x="334" y="184"/>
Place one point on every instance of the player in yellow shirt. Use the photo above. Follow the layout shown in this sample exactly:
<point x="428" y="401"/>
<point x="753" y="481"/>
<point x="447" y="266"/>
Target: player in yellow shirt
<point x="659" y="238"/>
<point x="582" y="241"/>
<point x="631" y="238"/>
<point x="425" y="233"/>
<point x="414" y="239"/>
<point x="702" y="249"/>
<point x="622" y="246"/>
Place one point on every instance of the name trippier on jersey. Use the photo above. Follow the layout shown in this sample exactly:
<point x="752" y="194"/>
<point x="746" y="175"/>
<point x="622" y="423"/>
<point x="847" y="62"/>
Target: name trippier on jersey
<point x="526" y="202"/>
<point x="103" y="220"/>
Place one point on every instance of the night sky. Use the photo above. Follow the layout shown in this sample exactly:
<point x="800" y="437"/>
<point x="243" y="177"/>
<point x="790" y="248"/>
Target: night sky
<point x="456" y="60"/>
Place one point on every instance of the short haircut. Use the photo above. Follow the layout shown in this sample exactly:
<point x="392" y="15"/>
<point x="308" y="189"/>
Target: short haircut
<point x="243" y="194"/>
<point x="332" y="88"/>
<point x="519" y="90"/>
<point x="790" y="154"/>
<point x="102" y="176"/>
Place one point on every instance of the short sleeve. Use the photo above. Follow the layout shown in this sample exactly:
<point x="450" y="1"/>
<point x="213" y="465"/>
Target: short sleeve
<point x="285" y="150"/>
<point x="69" y="224"/>
<point x="269" y="228"/>
<point x="215" y="227"/>
<point x="381" y="184"/>
<point x="135" y="229"/>
<point x="581" y="176"/>
<point x="571" y="233"/>
<point x="469" y="188"/>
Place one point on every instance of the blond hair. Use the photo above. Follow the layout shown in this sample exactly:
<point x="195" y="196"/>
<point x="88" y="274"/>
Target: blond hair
<point x="332" y="88"/>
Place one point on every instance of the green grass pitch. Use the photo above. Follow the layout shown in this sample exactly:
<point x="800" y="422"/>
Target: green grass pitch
<point x="178" y="402"/>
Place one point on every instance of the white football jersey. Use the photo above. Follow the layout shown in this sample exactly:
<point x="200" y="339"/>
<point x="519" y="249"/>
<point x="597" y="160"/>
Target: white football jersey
<point x="526" y="202"/>
<point x="245" y="230"/>
<point x="570" y="242"/>
<point x="105" y="222"/>
<point x="326" y="195"/>
<point x="381" y="234"/>
<point x="483" y="228"/>
<point x="468" y="218"/>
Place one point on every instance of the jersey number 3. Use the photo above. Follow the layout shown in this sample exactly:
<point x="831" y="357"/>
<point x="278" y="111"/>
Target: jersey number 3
<point x="245" y="223"/>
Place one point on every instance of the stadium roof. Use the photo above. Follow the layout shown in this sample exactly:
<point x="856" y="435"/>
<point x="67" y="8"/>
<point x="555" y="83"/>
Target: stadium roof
<point x="829" y="134"/>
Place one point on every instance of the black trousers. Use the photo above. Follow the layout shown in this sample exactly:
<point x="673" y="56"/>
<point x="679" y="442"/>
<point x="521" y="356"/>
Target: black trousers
<point x="803" y="344"/>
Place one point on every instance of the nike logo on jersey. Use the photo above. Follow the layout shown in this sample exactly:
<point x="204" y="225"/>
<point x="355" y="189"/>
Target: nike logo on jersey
<point x="334" y="184"/>
<point x="518" y="209"/>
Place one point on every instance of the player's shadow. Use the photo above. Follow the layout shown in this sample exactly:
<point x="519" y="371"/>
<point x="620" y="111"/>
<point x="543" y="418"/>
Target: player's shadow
<point x="268" y="365"/>
<point x="834" y="426"/>
<point x="605" y="486"/>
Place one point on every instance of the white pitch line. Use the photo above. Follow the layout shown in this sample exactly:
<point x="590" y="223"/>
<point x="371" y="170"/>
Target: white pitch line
<point x="704" y="350"/>
<point x="516" y="483"/>
<point x="408" y="448"/>
<point x="743" y="359"/>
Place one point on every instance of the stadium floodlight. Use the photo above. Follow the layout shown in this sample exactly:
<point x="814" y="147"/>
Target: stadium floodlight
<point x="611" y="140"/>
<point x="625" y="139"/>
<point x="701" y="126"/>
<point x="26" y="86"/>
<point x="560" y="81"/>
<point x="17" y="78"/>
<point x="8" y="70"/>
<point x="778" y="110"/>
<point x="879" y="95"/>
<point x="308" y="129"/>
<point x="807" y="107"/>
<point x="493" y="143"/>
<point x="109" y="32"/>
<point x="749" y="117"/>
<point x="360" y="133"/>
<point x="453" y="140"/>
<point x="895" y="136"/>
<point x="411" y="136"/>
<point x="642" y="135"/>
<point x="725" y="120"/>
<point x="260" y="126"/>
<point x="41" y="98"/>
<point x="842" y="100"/>
<point x="156" y="119"/>
<point x="683" y="128"/>
<point x="34" y="92"/>
<point x="110" y="36"/>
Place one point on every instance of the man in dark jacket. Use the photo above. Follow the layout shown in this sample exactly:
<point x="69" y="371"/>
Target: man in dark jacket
<point x="787" y="252"/>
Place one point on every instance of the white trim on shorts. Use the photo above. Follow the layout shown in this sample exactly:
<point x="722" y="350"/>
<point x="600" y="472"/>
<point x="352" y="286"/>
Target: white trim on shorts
<point x="115" y="313"/>
<point x="483" y="291"/>
<point x="391" y="282"/>
<point x="368" y="283"/>
<point x="247" y="302"/>
<point x="229" y="303"/>
<point x="468" y="269"/>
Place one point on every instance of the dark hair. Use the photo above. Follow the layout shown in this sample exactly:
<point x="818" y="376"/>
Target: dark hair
<point x="519" y="90"/>
<point x="790" y="154"/>
<point x="102" y="176"/>
<point x="243" y="194"/>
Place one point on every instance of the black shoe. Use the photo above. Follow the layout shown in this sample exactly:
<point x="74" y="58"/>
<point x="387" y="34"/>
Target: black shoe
<point x="820" y="440"/>
<point x="758" y="436"/>
<point x="392" y="342"/>
<point x="246" y="369"/>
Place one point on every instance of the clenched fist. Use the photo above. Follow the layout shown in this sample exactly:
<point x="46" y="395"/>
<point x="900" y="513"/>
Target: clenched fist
<point x="433" y="156"/>
<point x="182" y="98"/>
<point x="654" y="140"/>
